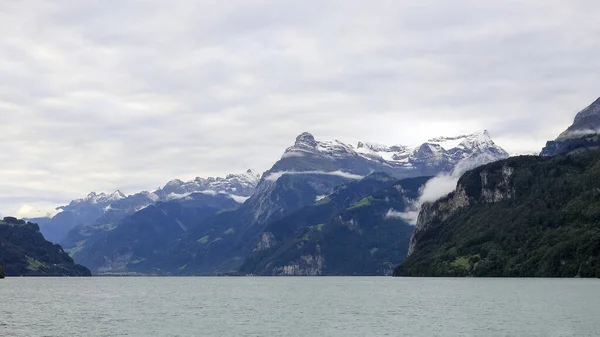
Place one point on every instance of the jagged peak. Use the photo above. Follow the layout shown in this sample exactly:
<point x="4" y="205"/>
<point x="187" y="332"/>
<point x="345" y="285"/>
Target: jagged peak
<point x="431" y="148"/>
<point x="374" y="147"/>
<point x="463" y="135"/>
<point x="94" y="197"/>
<point x="592" y="109"/>
<point x="174" y="182"/>
<point x="586" y="122"/>
<point x="306" y="139"/>
<point x="117" y="195"/>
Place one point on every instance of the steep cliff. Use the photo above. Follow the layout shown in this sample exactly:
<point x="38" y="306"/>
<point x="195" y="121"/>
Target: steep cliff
<point x="524" y="216"/>
<point x="582" y="135"/>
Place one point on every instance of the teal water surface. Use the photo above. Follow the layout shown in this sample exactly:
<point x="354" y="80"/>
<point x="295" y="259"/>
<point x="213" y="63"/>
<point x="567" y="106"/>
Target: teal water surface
<point x="328" y="306"/>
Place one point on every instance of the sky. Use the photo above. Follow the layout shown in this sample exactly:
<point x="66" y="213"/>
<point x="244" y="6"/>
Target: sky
<point x="99" y="95"/>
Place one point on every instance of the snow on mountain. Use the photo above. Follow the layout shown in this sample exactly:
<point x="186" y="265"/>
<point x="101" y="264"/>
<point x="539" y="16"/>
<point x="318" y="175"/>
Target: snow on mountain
<point x="102" y="198"/>
<point x="442" y="153"/>
<point x="104" y="208"/>
<point x="321" y="165"/>
<point x="316" y="167"/>
<point x="241" y="185"/>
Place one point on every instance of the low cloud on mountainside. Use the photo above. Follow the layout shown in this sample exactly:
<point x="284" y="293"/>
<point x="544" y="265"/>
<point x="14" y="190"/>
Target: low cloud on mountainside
<point x="435" y="189"/>
<point x="275" y="176"/>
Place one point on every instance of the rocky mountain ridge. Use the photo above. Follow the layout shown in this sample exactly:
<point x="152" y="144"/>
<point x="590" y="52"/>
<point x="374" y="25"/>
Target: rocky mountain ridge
<point x="323" y="165"/>
<point x="400" y="161"/>
<point x="105" y="209"/>
<point x="308" y="171"/>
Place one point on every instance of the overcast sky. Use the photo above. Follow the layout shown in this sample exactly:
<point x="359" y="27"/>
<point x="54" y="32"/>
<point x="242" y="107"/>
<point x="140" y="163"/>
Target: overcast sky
<point x="106" y="94"/>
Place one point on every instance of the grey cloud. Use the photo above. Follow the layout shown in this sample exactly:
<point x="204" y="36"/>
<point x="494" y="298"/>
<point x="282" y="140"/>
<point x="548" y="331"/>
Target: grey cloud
<point x="129" y="94"/>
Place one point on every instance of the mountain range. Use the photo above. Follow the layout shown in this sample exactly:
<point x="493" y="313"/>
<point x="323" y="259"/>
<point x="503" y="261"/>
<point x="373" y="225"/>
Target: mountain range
<point x="193" y="228"/>
<point x="331" y="208"/>
<point x="107" y="209"/>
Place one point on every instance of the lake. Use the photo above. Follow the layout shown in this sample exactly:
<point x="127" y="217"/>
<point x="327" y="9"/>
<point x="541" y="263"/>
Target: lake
<point x="327" y="306"/>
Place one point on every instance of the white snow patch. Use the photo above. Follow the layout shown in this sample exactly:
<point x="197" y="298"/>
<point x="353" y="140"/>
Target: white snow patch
<point x="448" y="143"/>
<point x="238" y="198"/>
<point x="153" y="197"/>
<point x="141" y="207"/>
<point x="320" y="197"/>
<point x="387" y="156"/>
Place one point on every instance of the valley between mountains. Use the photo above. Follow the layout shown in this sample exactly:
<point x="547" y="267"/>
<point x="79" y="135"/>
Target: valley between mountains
<point x="330" y="208"/>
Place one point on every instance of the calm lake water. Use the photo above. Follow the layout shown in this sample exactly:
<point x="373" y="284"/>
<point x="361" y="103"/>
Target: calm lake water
<point x="298" y="307"/>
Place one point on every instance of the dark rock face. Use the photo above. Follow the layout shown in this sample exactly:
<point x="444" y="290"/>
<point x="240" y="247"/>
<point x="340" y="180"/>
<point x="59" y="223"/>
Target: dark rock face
<point x="586" y="122"/>
<point x="581" y="135"/>
<point x="568" y="145"/>
<point x="25" y="252"/>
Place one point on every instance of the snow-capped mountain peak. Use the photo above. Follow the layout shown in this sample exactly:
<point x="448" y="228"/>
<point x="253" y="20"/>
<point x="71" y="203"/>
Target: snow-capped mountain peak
<point x="373" y="147"/>
<point x="117" y="195"/>
<point x="306" y="140"/>
<point x="102" y="198"/>
<point x="307" y="144"/>
<point x="437" y="154"/>
<point x="465" y="140"/>
<point x="175" y="182"/>
<point x="242" y="185"/>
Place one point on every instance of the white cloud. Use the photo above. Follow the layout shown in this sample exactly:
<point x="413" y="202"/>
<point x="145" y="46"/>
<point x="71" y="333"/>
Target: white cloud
<point x="105" y="95"/>
<point x="276" y="175"/>
<point x="409" y="216"/>
<point x="439" y="187"/>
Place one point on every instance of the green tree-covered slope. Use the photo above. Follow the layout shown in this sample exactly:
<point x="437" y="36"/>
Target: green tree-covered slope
<point x="25" y="252"/>
<point x="354" y="231"/>
<point x="520" y="217"/>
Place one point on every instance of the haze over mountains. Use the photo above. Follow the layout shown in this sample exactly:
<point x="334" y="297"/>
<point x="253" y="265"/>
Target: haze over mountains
<point x="330" y="208"/>
<point x="307" y="155"/>
<point x="105" y="208"/>
<point x="109" y="232"/>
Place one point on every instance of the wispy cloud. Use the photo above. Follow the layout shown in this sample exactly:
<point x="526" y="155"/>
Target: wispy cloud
<point x="437" y="188"/>
<point x="129" y="94"/>
<point x="276" y="175"/>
